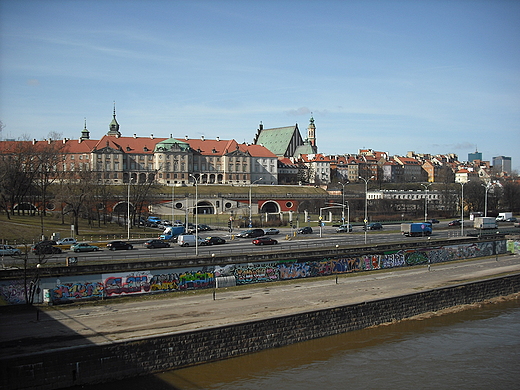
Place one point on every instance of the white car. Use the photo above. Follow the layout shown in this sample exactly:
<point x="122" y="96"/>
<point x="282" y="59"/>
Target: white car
<point x="66" y="241"/>
<point x="271" y="231"/>
<point x="8" y="250"/>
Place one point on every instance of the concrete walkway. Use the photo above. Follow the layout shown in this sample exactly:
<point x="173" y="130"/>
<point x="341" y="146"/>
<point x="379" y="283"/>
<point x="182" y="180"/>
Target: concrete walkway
<point x="23" y="331"/>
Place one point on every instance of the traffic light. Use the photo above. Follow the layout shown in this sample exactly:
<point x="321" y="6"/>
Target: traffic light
<point x="230" y="225"/>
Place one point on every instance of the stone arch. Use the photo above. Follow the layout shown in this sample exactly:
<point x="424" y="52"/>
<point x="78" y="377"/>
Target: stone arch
<point x="205" y="207"/>
<point x="270" y="207"/>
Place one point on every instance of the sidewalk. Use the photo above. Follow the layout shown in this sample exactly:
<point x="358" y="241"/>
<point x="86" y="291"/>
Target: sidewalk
<point x="22" y="331"/>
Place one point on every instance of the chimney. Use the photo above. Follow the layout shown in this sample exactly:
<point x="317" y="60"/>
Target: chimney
<point x="218" y="138"/>
<point x="135" y="135"/>
<point x="64" y="140"/>
<point x="49" y="141"/>
<point x="151" y="136"/>
<point x="79" y="140"/>
<point x="186" y="137"/>
<point x="202" y="138"/>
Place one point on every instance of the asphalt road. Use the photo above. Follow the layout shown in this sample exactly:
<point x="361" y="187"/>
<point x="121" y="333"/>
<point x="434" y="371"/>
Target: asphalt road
<point x="23" y="331"/>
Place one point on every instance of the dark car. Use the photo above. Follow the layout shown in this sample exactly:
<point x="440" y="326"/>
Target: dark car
<point x="373" y="226"/>
<point x="204" y="228"/>
<point x="251" y="233"/>
<point x="45" y="247"/>
<point x="214" y="240"/>
<point x="151" y="244"/>
<point x="305" y="230"/>
<point x="433" y="220"/>
<point x="116" y="245"/>
<point x="512" y="219"/>
<point x="264" y="241"/>
<point x="454" y="223"/>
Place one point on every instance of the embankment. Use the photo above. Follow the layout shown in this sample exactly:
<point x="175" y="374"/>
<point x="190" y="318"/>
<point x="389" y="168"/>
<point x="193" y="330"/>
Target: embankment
<point x="96" y="363"/>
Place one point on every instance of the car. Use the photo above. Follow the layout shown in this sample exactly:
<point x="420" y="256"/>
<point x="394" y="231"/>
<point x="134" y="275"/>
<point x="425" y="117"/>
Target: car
<point x="271" y="231"/>
<point x="8" y="250"/>
<point x="151" y="244"/>
<point x="190" y="240"/>
<point x="433" y="220"/>
<point x="264" y="241"/>
<point x="304" y="230"/>
<point x="45" y="247"/>
<point x="251" y="233"/>
<point x="344" y="228"/>
<point x="84" y="247"/>
<point x="116" y="245"/>
<point x="373" y="226"/>
<point x="204" y="228"/>
<point x="214" y="240"/>
<point x="67" y="241"/>
<point x="512" y="219"/>
<point x="454" y="223"/>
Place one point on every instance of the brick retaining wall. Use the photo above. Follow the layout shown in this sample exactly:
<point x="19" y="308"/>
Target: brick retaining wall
<point x="97" y="363"/>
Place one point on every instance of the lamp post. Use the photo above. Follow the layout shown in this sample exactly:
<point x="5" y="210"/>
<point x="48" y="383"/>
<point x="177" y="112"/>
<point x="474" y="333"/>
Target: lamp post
<point x="196" y="211"/>
<point x="366" y="204"/>
<point x="427" y="189"/>
<point x="462" y="209"/>
<point x="250" y="207"/>
<point x="128" y="210"/>
<point x="343" y="203"/>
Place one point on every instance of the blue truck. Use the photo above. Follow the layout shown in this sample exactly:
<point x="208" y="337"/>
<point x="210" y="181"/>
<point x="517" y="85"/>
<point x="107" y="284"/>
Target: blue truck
<point x="171" y="232"/>
<point x="416" y="229"/>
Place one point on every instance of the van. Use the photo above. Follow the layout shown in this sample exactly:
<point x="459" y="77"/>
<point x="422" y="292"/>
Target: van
<point x="189" y="240"/>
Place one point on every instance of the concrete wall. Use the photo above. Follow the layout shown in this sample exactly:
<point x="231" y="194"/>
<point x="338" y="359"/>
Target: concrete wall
<point x="91" y="364"/>
<point x="75" y="287"/>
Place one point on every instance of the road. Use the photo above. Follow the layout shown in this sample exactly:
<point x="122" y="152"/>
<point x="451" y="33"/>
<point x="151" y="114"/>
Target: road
<point x="84" y="324"/>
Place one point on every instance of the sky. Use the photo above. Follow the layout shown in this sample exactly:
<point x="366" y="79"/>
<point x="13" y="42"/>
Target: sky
<point x="394" y="76"/>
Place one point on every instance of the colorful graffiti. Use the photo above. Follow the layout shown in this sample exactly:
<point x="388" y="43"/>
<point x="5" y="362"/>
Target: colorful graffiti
<point x="13" y="293"/>
<point x="107" y="285"/>
<point x="74" y="291"/>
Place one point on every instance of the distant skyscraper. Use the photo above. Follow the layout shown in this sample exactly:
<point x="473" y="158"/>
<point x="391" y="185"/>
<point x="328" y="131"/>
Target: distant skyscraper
<point x="502" y="164"/>
<point x="474" y="156"/>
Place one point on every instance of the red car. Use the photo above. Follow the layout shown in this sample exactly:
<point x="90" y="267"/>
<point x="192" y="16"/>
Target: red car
<point x="264" y="241"/>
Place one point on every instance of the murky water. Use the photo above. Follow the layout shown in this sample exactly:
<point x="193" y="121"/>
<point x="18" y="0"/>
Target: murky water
<point x="473" y="349"/>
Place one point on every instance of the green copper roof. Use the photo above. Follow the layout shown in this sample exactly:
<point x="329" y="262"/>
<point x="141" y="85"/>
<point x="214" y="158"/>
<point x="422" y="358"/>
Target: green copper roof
<point x="171" y="144"/>
<point x="277" y="140"/>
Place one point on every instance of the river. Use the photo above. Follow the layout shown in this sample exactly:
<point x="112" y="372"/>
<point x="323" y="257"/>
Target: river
<point x="478" y="348"/>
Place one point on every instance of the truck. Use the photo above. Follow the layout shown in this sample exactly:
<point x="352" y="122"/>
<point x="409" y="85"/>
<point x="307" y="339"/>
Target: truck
<point x="484" y="223"/>
<point x="503" y="216"/>
<point x="171" y="232"/>
<point x="416" y="229"/>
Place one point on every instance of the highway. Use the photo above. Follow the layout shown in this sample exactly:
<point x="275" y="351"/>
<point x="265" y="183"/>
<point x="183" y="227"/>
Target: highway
<point x="287" y="240"/>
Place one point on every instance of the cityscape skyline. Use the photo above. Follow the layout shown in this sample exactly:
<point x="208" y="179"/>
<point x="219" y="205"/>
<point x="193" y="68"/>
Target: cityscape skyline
<point x="428" y="77"/>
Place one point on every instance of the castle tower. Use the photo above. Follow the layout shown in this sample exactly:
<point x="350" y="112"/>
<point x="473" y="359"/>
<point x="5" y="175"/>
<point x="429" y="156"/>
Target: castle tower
<point x="114" y="126"/>
<point x="85" y="134"/>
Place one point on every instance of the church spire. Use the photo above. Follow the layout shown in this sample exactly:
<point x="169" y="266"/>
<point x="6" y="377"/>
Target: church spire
<point x="311" y="132"/>
<point x="85" y="134"/>
<point x="114" y="126"/>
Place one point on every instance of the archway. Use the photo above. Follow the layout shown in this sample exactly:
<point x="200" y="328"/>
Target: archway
<point x="270" y="207"/>
<point x="205" y="207"/>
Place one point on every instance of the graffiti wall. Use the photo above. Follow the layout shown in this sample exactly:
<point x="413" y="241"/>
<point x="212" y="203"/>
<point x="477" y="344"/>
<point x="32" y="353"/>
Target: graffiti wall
<point x="74" y="288"/>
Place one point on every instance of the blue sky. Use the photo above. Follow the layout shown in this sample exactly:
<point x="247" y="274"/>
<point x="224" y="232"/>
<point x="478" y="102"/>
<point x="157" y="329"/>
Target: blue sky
<point x="394" y="76"/>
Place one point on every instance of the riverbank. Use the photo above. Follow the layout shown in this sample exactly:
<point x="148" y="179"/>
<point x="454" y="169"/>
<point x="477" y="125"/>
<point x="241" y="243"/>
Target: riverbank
<point x="116" y="325"/>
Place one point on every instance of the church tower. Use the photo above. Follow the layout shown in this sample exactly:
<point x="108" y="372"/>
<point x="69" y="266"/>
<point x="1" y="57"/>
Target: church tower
<point x="85" y="134"/>
<point x="114" y="126"/>
<point x="311" y="132"/>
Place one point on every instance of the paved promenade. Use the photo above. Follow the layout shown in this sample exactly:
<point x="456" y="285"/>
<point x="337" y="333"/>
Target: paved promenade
<point x="22" y="331"/>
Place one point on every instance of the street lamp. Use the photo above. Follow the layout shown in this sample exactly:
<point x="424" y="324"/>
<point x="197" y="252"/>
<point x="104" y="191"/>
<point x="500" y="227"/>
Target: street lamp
<point x="250" y="211"/>
<point x="462" y="209"/>
<point x="366" y="204"/>
<point x="128" y="210"/>
<point x="427" y="189"/>
<point x="196" y="211"/>
<point x="343" y="203"/>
